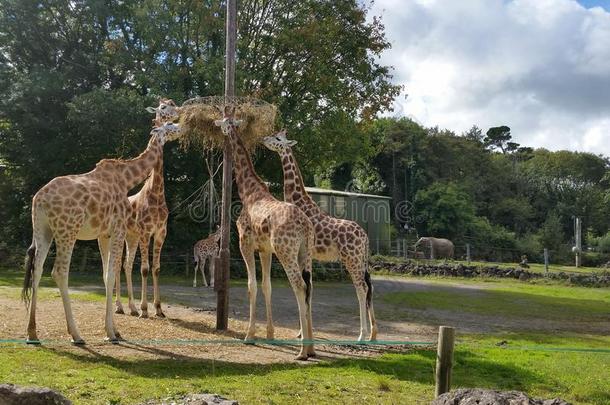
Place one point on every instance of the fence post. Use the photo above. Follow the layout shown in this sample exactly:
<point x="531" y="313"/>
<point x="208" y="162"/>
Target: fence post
<point x="377" y="241"/>
<point x="404" y="247"/>
<point x="468" y="253"/>
<point x="444" y="360"/>
<point x="546" y="261"/>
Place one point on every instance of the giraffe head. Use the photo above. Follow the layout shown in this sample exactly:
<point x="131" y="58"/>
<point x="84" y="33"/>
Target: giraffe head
<point x="167" y="111"/>
<point x="166" y="132"/>
<point x="278" y="142"/>
<point x="226" y="124"/>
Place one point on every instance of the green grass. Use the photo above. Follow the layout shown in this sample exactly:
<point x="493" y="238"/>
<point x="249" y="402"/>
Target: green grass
<point x="391" y="378"/>
<point x="516" y="300"/>
<point x="525" y="362"/>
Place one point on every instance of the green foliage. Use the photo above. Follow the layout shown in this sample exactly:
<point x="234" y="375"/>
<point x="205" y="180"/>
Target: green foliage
<point x="601" y="243"/>
<point x="551" y="233"/>
<point x="446" y="210"/>
<point x="75" y="78"/>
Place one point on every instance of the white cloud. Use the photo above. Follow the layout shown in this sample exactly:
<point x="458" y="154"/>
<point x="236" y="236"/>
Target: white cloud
<point x="541" y="67"/>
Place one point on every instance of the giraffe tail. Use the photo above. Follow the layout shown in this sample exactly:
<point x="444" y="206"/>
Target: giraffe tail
<point x="29" y="272"/>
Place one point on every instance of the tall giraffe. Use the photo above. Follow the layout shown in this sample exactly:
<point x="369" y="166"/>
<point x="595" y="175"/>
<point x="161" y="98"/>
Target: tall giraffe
<point x="206" y="250"/>
<point x="148" y="220"/>
<point x="86" y="206"/>
<point x="270" y="226"/>
<point x="336" y="239"/>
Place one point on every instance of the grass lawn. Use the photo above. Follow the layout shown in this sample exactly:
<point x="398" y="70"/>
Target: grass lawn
<point x="509" y="298"/>
<point x="541" y="364"/>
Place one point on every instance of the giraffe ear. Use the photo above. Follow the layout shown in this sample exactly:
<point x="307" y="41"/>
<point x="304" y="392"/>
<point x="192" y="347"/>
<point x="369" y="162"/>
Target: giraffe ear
<point x="151" y="110"/>
<point x="292" y="142"/>
<point x="218" y="123"/>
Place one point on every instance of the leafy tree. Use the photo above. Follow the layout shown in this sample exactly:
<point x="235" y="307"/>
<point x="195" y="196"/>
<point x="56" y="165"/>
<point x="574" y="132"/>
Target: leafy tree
<point x="446" y="210"/>
<point x="499" y="138"/>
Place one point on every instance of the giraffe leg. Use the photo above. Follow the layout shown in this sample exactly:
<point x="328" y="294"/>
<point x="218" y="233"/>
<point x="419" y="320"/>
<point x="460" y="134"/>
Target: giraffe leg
<point x="212" y="268"/>
<point x="132" y="247"/>
<point x="357" y="274"/>
<point x="60" y="272"/>
<point x="196" y="270"/>
<point x="266" y="270"/>
<point x="144" y="242"/>
<point x="42" y="242"/>
<point x="115" y="250"/>
<point x="119" y="306"/>
<point x="157" y="246"/>
<point x="204" y="260"/>
<point x="247" y="253"/>
<point x="299" y="287"/>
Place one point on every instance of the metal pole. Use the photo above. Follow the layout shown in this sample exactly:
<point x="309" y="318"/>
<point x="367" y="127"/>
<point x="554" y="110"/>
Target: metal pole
<point x="221" y="282"/>
<point x="468" y="253"/>
<point x="444" y="359"/>
<point x="578" y="241"/>
<point x="546" y="261"/>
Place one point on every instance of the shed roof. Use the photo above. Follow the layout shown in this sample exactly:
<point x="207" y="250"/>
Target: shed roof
<point x="317" y="190"/>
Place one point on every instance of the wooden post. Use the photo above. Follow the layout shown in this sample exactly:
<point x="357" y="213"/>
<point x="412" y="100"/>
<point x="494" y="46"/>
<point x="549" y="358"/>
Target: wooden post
<point x="444" y="359"/>
<point x="468" y="253"/>
<point x="404" y="247"/>
<point x="221" y="282"/>
<point x="546" y="261"/>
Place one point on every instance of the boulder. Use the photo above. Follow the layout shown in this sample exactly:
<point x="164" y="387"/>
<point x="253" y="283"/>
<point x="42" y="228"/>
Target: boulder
<point x="477" y="396"/>
<point x="15" y="395"/>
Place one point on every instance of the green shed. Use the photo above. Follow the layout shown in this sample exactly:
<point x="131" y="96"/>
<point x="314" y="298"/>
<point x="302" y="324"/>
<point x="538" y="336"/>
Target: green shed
<point x="371" y="211"/>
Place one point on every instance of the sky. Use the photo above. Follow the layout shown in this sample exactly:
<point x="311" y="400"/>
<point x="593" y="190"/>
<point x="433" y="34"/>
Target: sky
<point x="542" y="67"/>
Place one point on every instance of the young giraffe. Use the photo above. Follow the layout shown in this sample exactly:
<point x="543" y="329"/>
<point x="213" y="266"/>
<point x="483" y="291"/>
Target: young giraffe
<point x="336" y="239"/>
<point x="148" y="220"/>
<point x="270" y="226"/>
<point x="86" y="206"/>
<point x="206" y="250"/>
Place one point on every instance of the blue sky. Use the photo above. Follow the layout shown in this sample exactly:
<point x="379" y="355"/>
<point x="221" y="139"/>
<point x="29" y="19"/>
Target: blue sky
<point x="596" y="3"/>
<point x="542" y="67"/>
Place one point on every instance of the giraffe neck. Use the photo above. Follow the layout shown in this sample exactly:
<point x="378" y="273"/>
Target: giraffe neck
<point x="249" y="186"/>
<point x="136" y="170"/>
<point x="294" y="188"/>
<point x="155" y="184"/>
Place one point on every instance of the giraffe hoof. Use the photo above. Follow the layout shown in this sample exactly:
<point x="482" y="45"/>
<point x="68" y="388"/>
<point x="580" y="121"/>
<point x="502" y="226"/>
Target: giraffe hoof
<point x="78" y="342"/>
<point x="114" y="341"/>
<point x="312" y="353"/>
<point x="134" y="313"/>
<point x="160" y="315"/>
<point x="144" y="315"/>
<point x="119" y="311"/>
<point x="302" y="357"/>
<point x="34" y="342"/>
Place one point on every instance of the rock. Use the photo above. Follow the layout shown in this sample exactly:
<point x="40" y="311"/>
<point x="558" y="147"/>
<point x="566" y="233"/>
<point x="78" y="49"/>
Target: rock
<point x="478" y="396"/>
<point x="193" y="399"/>
<point x="16" y="395"/>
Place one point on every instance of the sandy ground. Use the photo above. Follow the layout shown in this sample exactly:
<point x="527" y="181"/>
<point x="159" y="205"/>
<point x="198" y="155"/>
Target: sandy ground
<point x="190" y="316"/>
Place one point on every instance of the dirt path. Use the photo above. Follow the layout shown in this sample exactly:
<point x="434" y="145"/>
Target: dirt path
<point x="190" y="315"/>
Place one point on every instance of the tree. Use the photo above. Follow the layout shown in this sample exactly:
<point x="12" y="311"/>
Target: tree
<point x="499" y="138"/>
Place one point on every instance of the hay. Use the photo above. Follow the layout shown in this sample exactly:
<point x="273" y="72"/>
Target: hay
<point x="197" y="118"/>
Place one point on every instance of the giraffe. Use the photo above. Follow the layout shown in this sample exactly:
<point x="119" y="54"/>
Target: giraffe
<point x="86" y="206"/>
<point x="148" y="221"/>
<point x="270" y="226"/>
<point x="204" y="250"/>
<point x="335" y="239"/>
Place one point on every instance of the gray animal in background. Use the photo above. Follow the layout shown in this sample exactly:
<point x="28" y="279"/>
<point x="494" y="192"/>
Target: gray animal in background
<point x="439" y="248"/>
